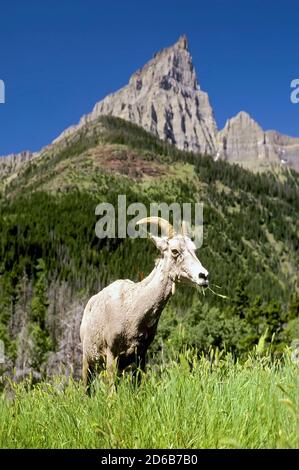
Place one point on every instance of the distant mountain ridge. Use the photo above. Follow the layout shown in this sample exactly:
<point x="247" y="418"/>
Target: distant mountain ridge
<point x="244" y="142"/>
<point x="164" y="97"/>
<point x="11" y="163"/>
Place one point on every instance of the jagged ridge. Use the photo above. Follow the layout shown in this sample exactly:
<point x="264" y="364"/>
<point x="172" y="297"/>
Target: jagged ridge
<point x="243" y="141"/>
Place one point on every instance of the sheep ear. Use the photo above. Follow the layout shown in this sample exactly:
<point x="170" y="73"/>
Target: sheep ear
<point x="161" y="243"/>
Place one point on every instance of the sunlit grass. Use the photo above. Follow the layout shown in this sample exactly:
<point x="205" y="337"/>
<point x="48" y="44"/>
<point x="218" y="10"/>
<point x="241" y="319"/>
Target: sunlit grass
<point x="190" y="403"/>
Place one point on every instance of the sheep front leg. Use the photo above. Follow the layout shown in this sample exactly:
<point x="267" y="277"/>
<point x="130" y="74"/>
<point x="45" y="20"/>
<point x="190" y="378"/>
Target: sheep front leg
<point x="140" y="368"/>
<point x="111" y="367"/>
<point x="87" y="375"/>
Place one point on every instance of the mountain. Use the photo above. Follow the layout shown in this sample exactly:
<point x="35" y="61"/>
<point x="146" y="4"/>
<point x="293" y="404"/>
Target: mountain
<point x="164" y="98"/>
<point x="244" y="142"/>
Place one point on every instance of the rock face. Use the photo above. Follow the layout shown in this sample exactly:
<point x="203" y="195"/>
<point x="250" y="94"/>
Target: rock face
<point x="164" y="98"/>
<point x="244" y="142"/>
<point x="11" y="163"/>
<point x="286" y="148"/>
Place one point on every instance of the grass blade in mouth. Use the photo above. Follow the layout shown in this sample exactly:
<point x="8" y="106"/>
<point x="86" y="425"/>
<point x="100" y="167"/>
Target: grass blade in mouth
<point x="218" y="295"/>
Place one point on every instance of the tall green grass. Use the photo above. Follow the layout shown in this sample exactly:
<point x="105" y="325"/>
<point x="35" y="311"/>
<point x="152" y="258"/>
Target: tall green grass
<point x="191" y="403"/>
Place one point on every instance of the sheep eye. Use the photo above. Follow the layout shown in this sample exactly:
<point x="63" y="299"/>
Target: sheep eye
<point x="175" y="253"/>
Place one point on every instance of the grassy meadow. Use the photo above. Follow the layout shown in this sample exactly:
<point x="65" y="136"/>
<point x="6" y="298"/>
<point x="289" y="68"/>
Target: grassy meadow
<point x="189" y="403"/>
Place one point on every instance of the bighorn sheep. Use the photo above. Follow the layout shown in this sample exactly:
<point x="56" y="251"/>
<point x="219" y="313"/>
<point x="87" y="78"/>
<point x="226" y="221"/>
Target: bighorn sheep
<point x="119" y="323"/>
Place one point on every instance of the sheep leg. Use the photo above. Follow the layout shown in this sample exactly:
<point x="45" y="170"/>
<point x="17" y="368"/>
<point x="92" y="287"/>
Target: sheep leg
<point x="111" y="367"/>
<point x="87" y="375"/>
<point x="140" y="368"/>
<point x="142" y="362"/>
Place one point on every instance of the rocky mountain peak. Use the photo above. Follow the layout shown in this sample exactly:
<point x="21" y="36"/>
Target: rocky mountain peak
<point x="244" y="118"/>
<point x="242" y="122"/>
<point x="164" y="98"/>
<point x="171" y="67"/>
<point x="182" y="42"/>
<point x="243" y="141"/>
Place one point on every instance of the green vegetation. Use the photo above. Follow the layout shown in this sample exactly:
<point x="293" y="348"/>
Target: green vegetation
<point x="190" y="403"/>
<point x="38" y="330"/>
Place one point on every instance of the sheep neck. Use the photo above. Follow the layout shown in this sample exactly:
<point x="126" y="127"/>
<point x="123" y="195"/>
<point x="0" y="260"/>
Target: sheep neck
<point x="156" y="290"/>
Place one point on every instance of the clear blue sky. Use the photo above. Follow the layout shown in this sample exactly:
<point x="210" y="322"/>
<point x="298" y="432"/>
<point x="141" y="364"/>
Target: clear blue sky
<point x="58" y="58"/>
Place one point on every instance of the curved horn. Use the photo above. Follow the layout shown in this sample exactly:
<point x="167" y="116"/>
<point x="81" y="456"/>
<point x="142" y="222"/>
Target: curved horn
<point x="162" y="223"/>
<point x="184" y="229"/>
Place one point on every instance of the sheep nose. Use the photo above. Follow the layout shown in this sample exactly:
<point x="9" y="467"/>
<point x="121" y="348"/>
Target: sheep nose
<point x="204" y="277"/>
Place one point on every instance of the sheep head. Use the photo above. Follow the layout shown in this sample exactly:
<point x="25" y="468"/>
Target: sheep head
<point x="180" y="251"/>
